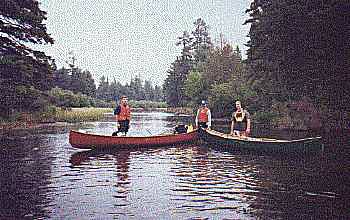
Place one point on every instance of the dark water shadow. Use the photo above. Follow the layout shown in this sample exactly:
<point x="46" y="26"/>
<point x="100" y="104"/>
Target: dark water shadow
<point x="25" y="174"/>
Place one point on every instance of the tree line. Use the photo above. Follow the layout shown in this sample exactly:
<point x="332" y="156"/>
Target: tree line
<point x="299" y="50"/>
<point x="81" y="82"/>
<point x="297" y="53"/>
<point x="136" y="90"/>
<point x="30" y="80"/>
<point x="215" y="73"/>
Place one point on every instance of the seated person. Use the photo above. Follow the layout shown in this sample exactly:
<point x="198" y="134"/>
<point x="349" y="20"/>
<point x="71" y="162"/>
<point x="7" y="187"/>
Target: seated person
<point x="180" y="129"/>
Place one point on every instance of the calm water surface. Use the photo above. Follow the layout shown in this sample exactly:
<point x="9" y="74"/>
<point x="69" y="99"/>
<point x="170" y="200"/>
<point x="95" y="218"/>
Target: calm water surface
<point x="43" y="177"/>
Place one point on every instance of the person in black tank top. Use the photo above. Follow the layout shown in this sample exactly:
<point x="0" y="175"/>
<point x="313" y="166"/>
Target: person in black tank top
<point x="241" y="123"/>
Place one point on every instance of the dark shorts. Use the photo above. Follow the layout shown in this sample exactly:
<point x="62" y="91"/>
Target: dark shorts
<point x="123" y="127"/>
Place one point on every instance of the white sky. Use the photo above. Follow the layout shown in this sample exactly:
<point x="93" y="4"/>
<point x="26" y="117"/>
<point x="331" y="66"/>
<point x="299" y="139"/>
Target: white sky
<point x="126" y="38"/>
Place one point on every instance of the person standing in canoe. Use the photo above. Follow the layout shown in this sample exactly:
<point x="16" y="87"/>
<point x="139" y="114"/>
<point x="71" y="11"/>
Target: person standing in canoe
<point x="203" y="117"/>
<point x="241" y="122"/>
<point x="123" y="116"/>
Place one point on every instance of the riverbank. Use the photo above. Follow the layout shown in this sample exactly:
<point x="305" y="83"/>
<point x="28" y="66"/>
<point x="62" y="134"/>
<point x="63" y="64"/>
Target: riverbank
<point x="60" y="116"/>
<point x="54" y="116"/>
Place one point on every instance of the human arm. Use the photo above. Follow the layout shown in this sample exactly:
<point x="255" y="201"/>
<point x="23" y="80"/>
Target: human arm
<point x="248" y="123"/>
<point x="209" y="119"/>
<point x="196" y="120"/>
<point x="232" y="126"/>
<point x="117" y="110"/>
<point x="116" y="113"/>
<point x="248" y="126"/>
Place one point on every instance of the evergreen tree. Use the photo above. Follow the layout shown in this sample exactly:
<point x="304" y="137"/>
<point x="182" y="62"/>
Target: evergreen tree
<point x="75" y="80"/>
<point x="202" y="41"/>
<point x="103" y="91"/>
<point x="21" y="24"/>
<point x="300" y="49"/>
<point x="185" y="41"/>
<point x="174" y="84"/>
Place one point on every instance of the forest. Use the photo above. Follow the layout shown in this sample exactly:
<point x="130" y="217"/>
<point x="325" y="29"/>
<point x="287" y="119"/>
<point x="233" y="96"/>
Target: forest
<point x="295" y="73"/>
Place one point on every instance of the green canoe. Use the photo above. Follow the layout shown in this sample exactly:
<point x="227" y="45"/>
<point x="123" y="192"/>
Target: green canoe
<point x="225" y="141"/>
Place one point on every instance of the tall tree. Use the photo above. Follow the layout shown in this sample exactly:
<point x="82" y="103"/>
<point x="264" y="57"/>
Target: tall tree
<point x="299" y="49"/>
<point x="220" y="65"/>
<point x="174" y="84"/>
<point x="185" y="41"/>
<point x="21" y="24"/>
<point x="202" y="41"/>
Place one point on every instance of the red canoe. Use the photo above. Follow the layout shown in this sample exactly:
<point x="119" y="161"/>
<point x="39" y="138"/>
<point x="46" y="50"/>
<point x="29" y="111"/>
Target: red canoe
<point x="84" y="140"/>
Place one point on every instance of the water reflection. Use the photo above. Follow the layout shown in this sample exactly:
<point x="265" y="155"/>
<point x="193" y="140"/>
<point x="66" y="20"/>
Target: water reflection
<point x="25" y="173"/>
<point x="121" y="158"/>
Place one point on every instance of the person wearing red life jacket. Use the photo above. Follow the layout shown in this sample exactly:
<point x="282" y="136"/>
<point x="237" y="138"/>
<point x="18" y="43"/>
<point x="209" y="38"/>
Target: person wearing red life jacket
<point x="203" y="117"/>
<point x="123" y="115"/>
<point x="241" y="123"/>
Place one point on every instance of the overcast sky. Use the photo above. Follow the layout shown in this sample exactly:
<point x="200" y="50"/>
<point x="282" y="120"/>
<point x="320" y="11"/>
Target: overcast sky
<point x="123" y="39"/>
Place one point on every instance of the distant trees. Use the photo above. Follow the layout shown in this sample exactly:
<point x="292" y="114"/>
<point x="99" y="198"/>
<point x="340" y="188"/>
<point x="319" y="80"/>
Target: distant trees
<point x="76" y="80"/>
<point x="22" y="69"/>
<point x="135" y="90"/>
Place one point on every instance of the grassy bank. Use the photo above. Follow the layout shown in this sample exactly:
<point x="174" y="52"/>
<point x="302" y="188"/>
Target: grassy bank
<point x="80" y="114"/>
<point x="52" y="115"/>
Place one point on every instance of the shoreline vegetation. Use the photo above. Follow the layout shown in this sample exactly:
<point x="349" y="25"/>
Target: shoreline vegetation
<point x="62" y="117"/>
<point x="56" y="115"/>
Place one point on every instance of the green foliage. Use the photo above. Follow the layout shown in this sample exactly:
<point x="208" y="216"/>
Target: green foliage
<point x="76" y="80"/>
<point x="221" y="100"/>
<point x="193" y="88"/>
<point x="204" y="72"/>
<point x="22" y="69"/>
<point x="185" y="41"/>
<point x="81" y="114"/>
<point x="201" y="43"/>
<point x="66" y="98"/>
<point x="22" y="98"/>
<point x="195" y="50"/>
<point x="22" y="23"/>
<point x="298" y="49"/>
<point x="268" y="117"/>
<point x="174" y="84"/>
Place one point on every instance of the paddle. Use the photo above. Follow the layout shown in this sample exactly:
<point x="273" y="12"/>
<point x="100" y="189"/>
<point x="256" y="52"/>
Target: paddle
<point x="149" y="131"/>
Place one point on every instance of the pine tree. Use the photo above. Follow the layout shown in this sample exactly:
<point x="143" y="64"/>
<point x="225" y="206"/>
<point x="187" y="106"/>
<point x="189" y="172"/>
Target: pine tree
<point x="21" y="24"/>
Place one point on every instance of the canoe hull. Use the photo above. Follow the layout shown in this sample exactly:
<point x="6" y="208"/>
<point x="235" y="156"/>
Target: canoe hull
<point x="83" y="140"/>
<point x="227" y="142"/>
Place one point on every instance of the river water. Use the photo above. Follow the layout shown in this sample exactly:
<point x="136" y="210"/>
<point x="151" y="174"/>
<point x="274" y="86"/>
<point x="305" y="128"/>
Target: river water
<point x="43" y="177"/>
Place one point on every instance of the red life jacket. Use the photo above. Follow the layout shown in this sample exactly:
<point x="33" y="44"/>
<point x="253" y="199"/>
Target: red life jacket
<point x="203" y="116"/>
<point x="124" y="113"/>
